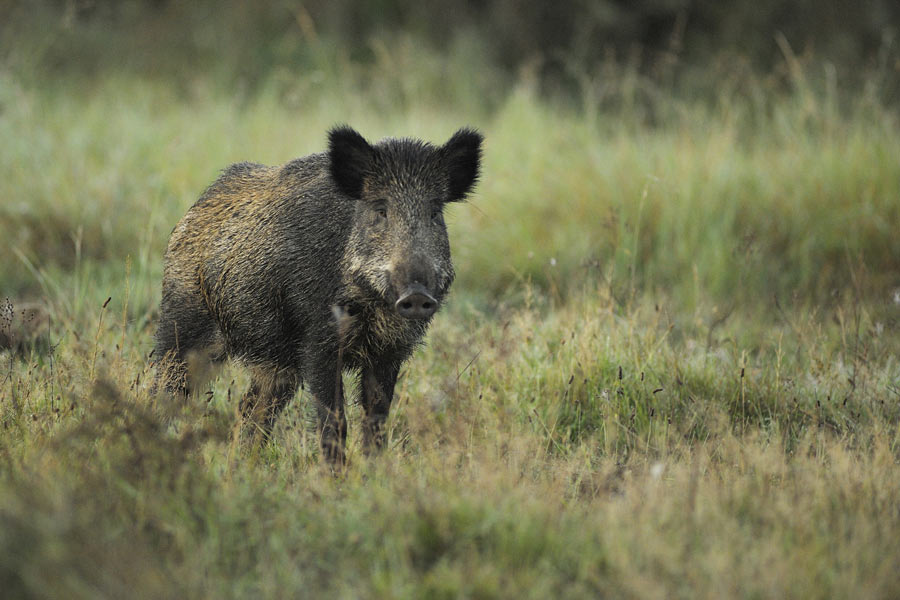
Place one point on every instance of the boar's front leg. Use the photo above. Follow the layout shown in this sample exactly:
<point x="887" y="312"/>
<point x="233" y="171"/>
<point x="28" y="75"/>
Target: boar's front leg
<point x="327" y="390"/>
<point x="377" y="393"/>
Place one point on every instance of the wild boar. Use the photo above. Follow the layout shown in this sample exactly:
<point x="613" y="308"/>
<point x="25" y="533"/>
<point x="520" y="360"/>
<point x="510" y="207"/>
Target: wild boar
<point x="332" y="262"/>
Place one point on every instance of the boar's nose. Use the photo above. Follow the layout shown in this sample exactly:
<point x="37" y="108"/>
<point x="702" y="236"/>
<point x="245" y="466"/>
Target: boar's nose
<point x="416" y="303"/>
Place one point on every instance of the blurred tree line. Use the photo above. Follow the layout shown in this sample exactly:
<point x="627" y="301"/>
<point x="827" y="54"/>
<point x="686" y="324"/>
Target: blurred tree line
<point x="552" y="42"/>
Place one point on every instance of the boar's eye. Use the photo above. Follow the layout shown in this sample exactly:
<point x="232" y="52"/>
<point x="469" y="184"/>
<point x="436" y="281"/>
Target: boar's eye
<point x="380" y="212"/>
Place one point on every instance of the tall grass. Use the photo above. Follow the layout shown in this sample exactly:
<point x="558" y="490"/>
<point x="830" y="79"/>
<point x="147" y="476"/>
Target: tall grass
<point x="697" y="205"/>
<point x="578" y="452"/>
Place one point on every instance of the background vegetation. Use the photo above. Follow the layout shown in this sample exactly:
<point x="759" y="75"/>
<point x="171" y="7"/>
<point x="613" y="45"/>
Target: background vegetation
<point x="669" y="367"/>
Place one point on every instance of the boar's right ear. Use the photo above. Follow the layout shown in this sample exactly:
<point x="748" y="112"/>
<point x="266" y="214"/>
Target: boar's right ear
<point x="351" y="158"/>
<point x="462" y="155"/>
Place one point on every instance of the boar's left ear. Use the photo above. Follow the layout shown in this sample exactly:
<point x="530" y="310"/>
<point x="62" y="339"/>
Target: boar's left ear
<point x="462" y="157"/>
<point x="351" y="158"/>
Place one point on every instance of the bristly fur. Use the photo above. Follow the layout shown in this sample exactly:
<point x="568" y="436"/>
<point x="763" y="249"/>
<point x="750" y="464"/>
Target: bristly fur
<point x="264" y="260"/>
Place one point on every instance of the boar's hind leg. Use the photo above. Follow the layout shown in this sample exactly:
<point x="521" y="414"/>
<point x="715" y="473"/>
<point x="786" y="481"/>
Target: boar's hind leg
<point x="270" y="391"/>
<point x="377" y="393"/>
<point x="188" y="342"/>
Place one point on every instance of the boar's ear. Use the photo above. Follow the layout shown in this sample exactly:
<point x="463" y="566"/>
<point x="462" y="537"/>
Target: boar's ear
<point x="351" y="158"/>
<point x="462" y="157"/>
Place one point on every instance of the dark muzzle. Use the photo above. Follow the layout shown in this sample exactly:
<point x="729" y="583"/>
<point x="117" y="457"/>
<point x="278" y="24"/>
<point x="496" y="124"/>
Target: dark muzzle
<point x="416" y="303"/>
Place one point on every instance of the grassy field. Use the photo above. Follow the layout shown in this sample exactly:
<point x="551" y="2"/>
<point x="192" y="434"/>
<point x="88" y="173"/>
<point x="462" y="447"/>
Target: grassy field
<point x="669" y="368"/>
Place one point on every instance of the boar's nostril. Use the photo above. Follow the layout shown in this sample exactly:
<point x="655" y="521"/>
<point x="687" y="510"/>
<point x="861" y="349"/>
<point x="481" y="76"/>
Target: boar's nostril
<point x="416" y="303"/>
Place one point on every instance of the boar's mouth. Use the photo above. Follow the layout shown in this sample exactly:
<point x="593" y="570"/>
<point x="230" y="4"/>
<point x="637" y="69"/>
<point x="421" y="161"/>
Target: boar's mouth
<point x="411" y="301"/>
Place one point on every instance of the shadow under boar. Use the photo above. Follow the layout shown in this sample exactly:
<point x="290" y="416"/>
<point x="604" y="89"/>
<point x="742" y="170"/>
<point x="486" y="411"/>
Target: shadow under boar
<point x="335" y="261"/>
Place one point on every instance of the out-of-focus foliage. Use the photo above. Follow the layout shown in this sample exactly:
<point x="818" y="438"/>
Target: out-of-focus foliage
<point x="245" y="43"/>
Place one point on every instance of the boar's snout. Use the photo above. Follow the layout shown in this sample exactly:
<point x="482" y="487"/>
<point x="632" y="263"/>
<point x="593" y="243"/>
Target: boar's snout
<point x="416" y="303"/>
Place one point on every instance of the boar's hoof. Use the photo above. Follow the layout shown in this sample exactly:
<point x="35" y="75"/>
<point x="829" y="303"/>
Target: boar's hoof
<point x="416" y="303"/>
